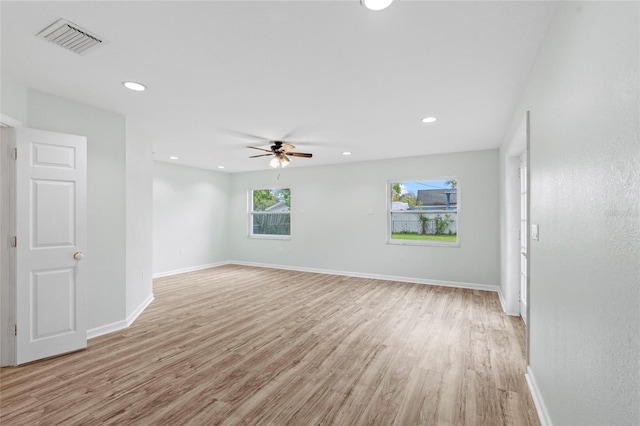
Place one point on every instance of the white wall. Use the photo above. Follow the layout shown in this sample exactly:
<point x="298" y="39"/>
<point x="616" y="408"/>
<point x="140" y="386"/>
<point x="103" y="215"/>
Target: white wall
<point x="339" y="219"/>
<point x="583" y="95"/>
<point x="139" y="219"/>
<point x="13" y="99"/>
<point x="190" y="218"/>
<point x="119" y="175"/>
<point x="106" y="136"/>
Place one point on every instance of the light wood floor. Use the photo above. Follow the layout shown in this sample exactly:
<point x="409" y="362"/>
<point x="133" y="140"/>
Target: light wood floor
<point x="240" y="345"/>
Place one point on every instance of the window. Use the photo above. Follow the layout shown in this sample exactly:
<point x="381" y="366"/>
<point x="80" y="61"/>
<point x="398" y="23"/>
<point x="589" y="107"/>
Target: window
<point x="270" y="213"/>
<point x="424" y="212"/>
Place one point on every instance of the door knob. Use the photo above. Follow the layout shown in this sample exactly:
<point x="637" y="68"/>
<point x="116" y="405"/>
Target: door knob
<point x="78" y="255"/>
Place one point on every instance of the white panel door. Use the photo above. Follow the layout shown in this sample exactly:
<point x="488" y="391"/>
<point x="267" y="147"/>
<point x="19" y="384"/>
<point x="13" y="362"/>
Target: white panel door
<point x="51" y="224"/>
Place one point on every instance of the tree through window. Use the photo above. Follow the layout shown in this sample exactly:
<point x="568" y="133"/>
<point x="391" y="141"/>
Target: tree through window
<point x="424" y="212"/>
<point x="270" y="212"/>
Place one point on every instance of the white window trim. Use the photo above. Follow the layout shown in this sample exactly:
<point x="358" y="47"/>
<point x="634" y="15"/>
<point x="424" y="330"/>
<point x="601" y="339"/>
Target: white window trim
<point x="401" y="242"/>
<point x="250" y="233"/>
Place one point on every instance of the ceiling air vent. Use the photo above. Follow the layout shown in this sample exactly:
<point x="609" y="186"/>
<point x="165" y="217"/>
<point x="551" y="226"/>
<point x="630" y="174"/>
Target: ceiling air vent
<point x="70" y="36"/>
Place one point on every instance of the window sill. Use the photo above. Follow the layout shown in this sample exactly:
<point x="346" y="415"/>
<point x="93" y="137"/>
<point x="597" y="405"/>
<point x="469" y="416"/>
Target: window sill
<point x="423" y="243"/>
<point x="269" y="237"/>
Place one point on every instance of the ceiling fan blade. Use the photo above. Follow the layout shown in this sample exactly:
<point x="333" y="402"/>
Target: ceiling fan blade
<point x="287" y="147"/>
<point x="286" y="136"/>
<point x="261" y="155"/>
<point x="300" y="154"/>
<point x="247" y="135"/>
<point x="261" y="149"/>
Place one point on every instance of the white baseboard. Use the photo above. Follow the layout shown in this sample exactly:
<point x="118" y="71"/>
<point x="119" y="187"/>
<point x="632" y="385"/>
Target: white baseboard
<point x="189" y="269"/>
<point x="472" y="286"/>
<point x="120" y="325"/>
<point x="503" y="303"/>
<point x="501" y="298"/>
<point x="541" y="409"/>
<point x="136" y="313"/>
<point x="105" y="329"/>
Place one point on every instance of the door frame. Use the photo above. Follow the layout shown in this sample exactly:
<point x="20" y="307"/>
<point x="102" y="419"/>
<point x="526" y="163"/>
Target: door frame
<point x="7" y="254"/>
<point x="520" y="142"/>
<point x="524" y="248"/>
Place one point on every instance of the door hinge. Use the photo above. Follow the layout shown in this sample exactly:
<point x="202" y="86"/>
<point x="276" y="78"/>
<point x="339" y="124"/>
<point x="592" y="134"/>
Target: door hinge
<point x="14" y="242"/>
<point x="15" y="329"/>
<point x="15" y="154"/>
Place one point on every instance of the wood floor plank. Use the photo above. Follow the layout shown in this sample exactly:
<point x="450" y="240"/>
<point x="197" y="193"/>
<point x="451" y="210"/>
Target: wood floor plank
<point x="243" y="345"/>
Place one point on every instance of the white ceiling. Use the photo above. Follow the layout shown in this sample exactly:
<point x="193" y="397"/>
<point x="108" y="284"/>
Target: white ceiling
<point x="328" y="76"/>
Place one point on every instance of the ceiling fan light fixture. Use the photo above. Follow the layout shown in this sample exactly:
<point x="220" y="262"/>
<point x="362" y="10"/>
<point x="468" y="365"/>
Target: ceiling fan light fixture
<point x="376" y="4"/>
<point x="280" y="160"/>
<point x="281" y="152"/>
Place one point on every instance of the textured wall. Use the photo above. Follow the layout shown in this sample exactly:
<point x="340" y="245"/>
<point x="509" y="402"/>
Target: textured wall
<point x="583" y="95"/>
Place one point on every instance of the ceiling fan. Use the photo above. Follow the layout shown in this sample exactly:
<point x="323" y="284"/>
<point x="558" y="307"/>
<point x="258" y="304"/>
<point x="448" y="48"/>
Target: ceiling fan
<point x="282" y="151"/>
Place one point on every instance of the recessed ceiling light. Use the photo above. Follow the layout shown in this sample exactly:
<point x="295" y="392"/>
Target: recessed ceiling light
<point x="346" y="153"/>
<point x="138" y="87"/>
<point x="429" y="119"/>
<point x="376" y="4"/>
<point x="221" y="167"/>
<point x="173" y="157"/>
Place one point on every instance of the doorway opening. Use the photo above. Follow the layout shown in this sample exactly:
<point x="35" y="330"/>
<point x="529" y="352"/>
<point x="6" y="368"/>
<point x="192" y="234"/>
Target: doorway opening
<point x="524" y="232"/>
<point x="517" y="183"/>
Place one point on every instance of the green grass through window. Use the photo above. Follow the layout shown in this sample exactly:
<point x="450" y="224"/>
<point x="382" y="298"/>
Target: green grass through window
<point x="420" y="237"/>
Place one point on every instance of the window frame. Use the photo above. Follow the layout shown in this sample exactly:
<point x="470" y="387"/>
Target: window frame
<point x="423" y="243"/>
<point x="252" y="213"/>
